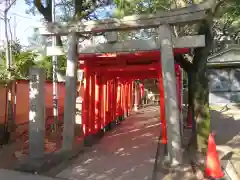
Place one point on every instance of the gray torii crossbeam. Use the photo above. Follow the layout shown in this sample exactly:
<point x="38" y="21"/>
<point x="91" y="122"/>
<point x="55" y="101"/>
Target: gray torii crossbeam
<point x="143" y="45"/>
<point x="134" y="45"/>
<point x="186" y="15"/>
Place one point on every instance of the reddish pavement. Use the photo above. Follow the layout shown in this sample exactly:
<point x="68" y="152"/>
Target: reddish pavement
<point x="126" y="153"/>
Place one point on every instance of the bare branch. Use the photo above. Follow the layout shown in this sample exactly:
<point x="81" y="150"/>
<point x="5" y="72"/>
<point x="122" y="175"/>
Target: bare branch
<point x="9" y="6"/>
<point x="10" y="30"/>
<point x="45" y="11"/>
<point x="164" y="7"/>
<point x="218" y="5"/>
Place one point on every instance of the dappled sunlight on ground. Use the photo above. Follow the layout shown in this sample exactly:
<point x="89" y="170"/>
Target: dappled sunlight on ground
<point x="11" y="153"/>
<point x="127" y="153"/>
<point x="226" y="124"/>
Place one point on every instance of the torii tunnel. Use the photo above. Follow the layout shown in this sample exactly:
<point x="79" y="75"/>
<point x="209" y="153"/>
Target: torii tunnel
<point x="109" y="89"/>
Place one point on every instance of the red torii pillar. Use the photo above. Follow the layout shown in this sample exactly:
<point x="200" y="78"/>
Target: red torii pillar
<point x="107" y="105"/>
<point x="136" y="97"/>
<point x="130" y="96"/>
<point x="104" y="104"/>
<point x="114" y="102"/>
<point x="86" y="99"/>
<point x="162" y="110"/>
<point x="118" y="100"/>
<point x="92" y="104"/>
<point x="98" y="102"/>
<point x="122" y="101"/>
<point x="141" y="93"/>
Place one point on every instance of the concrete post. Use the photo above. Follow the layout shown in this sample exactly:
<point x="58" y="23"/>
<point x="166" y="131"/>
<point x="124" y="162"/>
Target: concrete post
<point x="36" y="113"/>
<point x="70" y="94"/>
<point x="170" y="93"/>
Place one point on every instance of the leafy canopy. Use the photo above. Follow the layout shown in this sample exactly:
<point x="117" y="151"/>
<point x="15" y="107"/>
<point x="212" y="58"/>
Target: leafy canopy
<point x="24" y="60"/>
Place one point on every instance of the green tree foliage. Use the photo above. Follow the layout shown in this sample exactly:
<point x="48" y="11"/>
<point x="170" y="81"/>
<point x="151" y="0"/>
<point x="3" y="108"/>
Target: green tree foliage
<point x="46" y="63"/>
<point x="24" y="60"/>
<point x="125" y="7"/>
<point x="226" y="26"/>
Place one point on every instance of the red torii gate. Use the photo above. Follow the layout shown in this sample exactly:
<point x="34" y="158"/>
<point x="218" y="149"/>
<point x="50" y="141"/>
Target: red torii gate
<point x="108" y="86"/>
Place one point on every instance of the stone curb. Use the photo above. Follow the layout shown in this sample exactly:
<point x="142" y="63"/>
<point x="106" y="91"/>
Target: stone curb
<point x="226" y="159"/>
<point x="14" y="175"/>
<point x="38" y="166"/>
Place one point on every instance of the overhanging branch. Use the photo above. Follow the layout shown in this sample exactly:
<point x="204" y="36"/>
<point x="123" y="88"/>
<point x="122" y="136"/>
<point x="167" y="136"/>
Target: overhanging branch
<point x="218" y="5"/>
<point x="9" y="6"/>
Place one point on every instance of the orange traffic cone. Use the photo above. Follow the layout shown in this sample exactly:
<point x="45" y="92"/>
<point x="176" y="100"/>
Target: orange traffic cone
<point x="213" y="167"/>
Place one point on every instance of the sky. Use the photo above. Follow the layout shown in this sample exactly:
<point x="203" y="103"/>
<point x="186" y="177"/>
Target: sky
<point x="24" y="22"/>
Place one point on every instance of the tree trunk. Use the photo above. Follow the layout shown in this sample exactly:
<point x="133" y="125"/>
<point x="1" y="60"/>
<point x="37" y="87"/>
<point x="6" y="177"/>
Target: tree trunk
<point x="46" y="11"/>
<point x="48" y="18"/>
<point x="200" y="88"/>
<point x="191" y="89"/>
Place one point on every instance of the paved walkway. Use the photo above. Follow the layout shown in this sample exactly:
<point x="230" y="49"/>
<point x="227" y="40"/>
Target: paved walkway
<point x="14" y="175"/>
<point x="226" y="123"/>
<point x="127" y="153"/>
